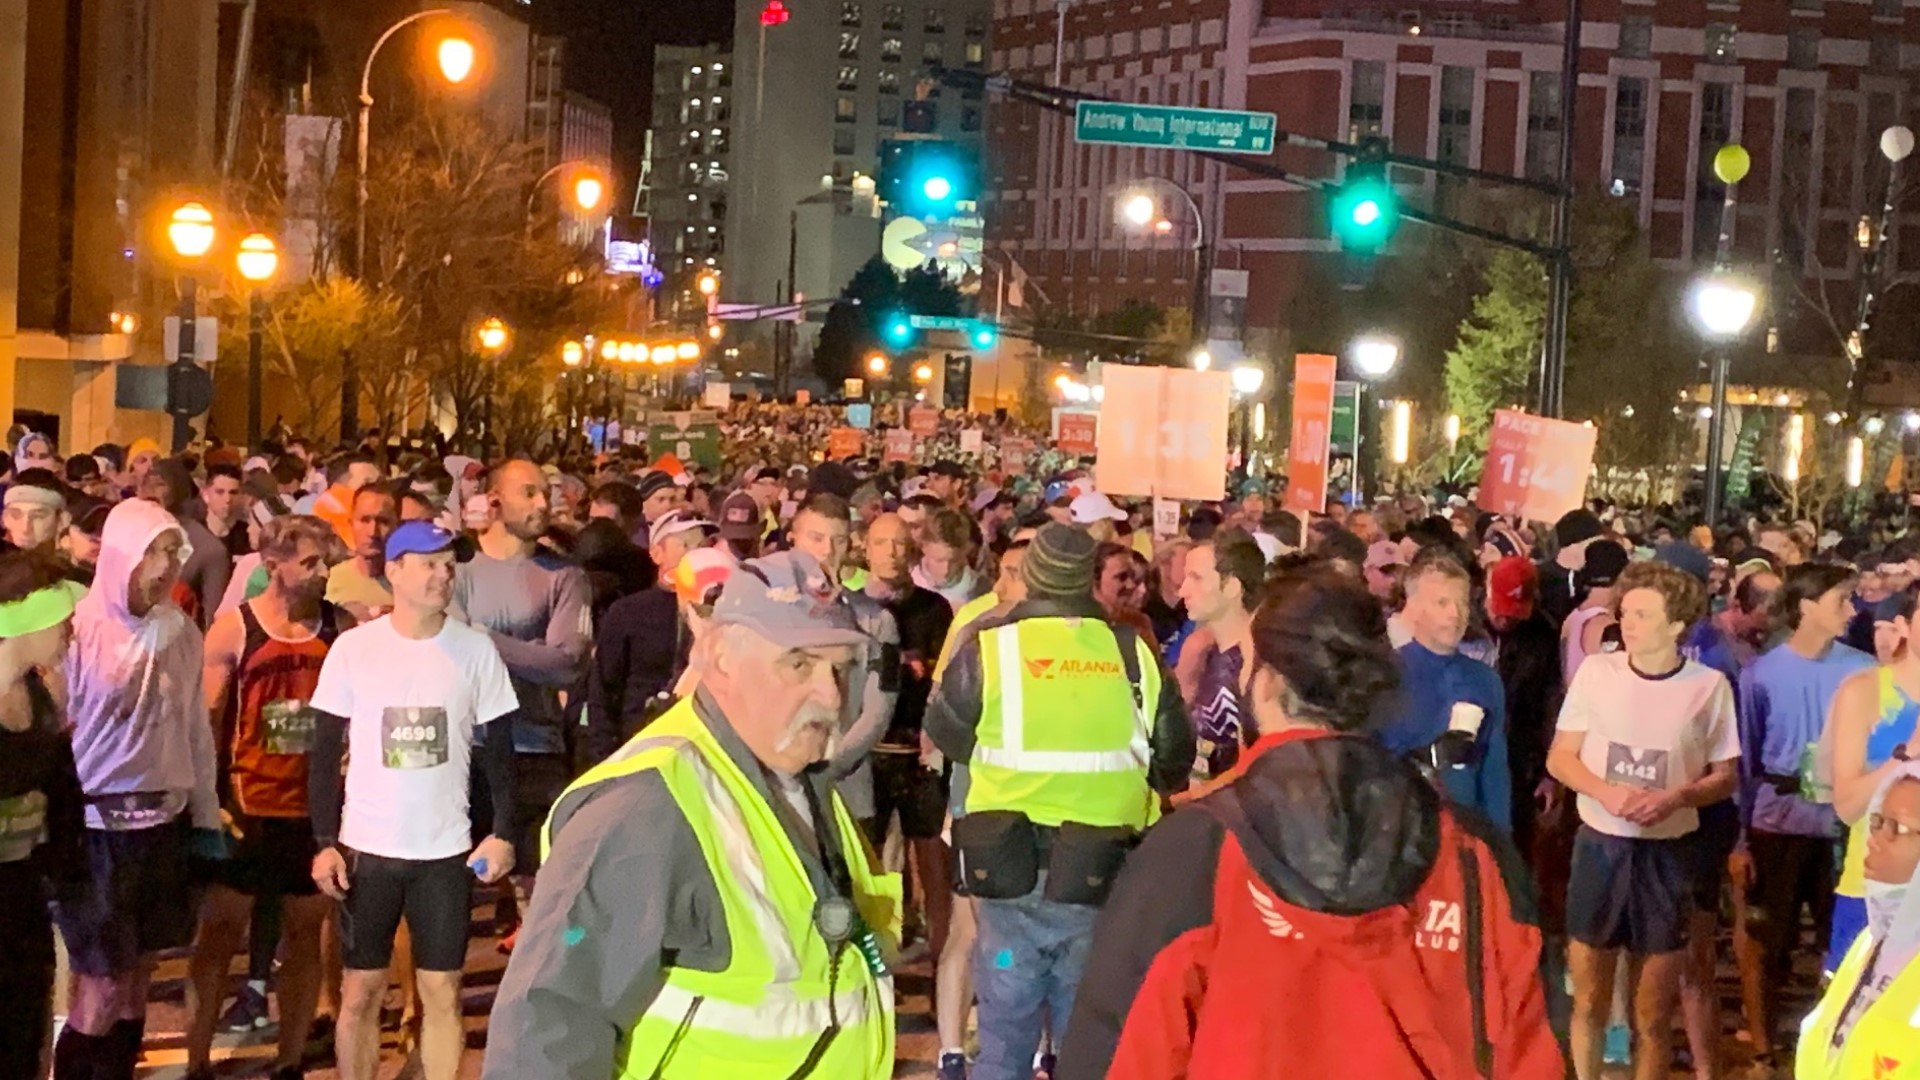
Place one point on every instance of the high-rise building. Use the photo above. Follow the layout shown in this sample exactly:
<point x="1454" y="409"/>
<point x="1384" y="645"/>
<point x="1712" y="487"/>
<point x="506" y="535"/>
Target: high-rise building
<point x="684" y="189"/>
<point x="821" y="88"/>
<point x="1807" y="86"/>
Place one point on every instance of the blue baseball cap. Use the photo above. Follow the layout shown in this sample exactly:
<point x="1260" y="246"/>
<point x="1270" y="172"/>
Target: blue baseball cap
<point x="418" y="538"/>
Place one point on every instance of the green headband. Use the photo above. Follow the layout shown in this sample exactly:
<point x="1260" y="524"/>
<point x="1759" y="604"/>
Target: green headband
<point x="39" y="610"/>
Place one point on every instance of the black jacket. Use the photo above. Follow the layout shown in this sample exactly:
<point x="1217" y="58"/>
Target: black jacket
<point x="953" y="714"/>
<point x="640" y="649"/>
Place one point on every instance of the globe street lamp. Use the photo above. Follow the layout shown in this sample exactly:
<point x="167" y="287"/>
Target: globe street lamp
<point x="1202" y="359"/>
<point x="1722" y="306"/>
<point x="1137" y="207"/>
<point x="1374" y="356"/>
<point x="258" y="260"/>
<point x="190" y="232"/>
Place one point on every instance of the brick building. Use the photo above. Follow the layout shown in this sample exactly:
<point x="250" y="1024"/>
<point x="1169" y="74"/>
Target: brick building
<point x="1806" y="85"/>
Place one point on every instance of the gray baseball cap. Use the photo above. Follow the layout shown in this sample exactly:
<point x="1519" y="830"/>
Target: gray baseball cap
<point x="787" y="599"/>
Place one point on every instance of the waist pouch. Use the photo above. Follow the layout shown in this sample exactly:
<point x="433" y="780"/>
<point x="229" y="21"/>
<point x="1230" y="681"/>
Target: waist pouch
<point x="997" y="855"/>
<point x="1085" y="860"/>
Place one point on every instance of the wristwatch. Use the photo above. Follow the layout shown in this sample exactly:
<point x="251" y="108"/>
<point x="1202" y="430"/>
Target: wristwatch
<point x="1900" y="753"/>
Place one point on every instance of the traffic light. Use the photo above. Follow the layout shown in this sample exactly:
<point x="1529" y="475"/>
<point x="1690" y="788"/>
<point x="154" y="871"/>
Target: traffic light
<point x="897" y="329"/>
<point x="926" y="178"/>
<point x="1364" y="209"/>
<point x="983" y="335"/>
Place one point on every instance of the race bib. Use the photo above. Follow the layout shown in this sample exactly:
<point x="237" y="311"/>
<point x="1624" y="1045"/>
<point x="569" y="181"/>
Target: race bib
<point x="413" y="737"/>
<point x="135" y="810"/>
<point x="286" y="727"/>
<point x="23" y="825"/>
<point x="1643" y="769"/>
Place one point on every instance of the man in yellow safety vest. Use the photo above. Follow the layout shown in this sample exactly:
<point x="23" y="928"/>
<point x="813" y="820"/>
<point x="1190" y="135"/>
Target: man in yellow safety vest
<point x="1070" y="732"/>
<point x="706" y="905"/>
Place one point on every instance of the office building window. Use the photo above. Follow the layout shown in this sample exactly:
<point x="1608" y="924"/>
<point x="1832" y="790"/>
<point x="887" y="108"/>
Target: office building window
<point x="1803" y="48"/>
<point x="890" y="48"/>
<point x="1366" y="109"/>
<point x="1721" y="43"/>
<point x="920" y="117"/>
<point x="1636" y="36"/>
<point x="1456" y="113"/>
<point x="843" y="140"/>
<point x="1812" y="6"/>
<point x="1887" y="8"/>
<point x="970" y="118"/>
<point x="976" y="54"/>
<point x="889" y="112"/>
<point x="889" y="81"/>
<point x="849" y="13"/>
<point x="845" y="110"/>
<point x="1883" y="53"/>
<point x="849" y="77"/>
<point x="893" y="17"/>
<point x="936" y="20"/>
<point x="931" y="53"/>
<point x="1629" y="133"/>
<point x="976" y="25"/>
<point x="849" y="45"/>
<point x="1543" y="125"/>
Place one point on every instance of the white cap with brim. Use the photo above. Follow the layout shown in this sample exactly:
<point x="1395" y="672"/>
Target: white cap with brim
<point x="1093" y="506"/>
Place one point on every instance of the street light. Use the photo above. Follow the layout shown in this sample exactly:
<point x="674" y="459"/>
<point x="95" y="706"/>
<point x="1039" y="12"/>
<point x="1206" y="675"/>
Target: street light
<point x="456" y="56"/>
<point x="923" y="373"/>
<point x="1722" y="306"/>
<point x="492" y="335"/>
<point x="1202" y="359"/>
<point x="1374" y="357"/>
<point x="876" y="365"/>
<point x="709" y="283"/>
<point x="1138" y="207"/>
<point x="1248" y="378"/>
<point x="1247" y="381"/>
<point x="257" y="260"/>
<point x="1400" y="435"/>
<point x="190" y="230"/>
<point x="687" y="350"/>
<point x="572" y="353"/>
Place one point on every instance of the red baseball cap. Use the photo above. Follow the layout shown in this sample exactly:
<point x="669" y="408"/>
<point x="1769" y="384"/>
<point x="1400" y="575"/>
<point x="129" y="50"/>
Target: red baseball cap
<point x="1512" y="586"/>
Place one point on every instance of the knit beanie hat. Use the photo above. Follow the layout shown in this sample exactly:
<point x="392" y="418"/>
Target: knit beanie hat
<point x="1059" y="562"/>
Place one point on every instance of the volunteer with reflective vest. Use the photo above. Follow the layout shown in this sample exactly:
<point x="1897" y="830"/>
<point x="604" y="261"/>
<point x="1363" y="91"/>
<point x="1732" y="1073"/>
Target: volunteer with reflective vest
<point x="1071" y="733"/>
<point x="1863" y="1029"/>
<point x="706" y="906"/>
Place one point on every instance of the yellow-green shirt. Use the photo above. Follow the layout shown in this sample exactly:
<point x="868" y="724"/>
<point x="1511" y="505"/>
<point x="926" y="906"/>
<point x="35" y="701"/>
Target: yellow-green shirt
<point x="969" y="612"/>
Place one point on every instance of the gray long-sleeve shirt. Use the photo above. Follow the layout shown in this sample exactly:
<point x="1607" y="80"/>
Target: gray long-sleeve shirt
<point x="624" y="896"/>
<point x="537" y="612"/>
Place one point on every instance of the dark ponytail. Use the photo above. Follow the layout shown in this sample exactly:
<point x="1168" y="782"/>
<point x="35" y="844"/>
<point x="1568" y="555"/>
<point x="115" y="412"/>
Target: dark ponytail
<point x="1324" y="634"/>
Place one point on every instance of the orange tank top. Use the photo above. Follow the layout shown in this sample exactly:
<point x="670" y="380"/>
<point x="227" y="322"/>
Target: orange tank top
<point x="272" y="721"/>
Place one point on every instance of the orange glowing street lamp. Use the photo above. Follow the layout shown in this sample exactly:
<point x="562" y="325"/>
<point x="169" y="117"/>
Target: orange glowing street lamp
<point x="492" y="335"/>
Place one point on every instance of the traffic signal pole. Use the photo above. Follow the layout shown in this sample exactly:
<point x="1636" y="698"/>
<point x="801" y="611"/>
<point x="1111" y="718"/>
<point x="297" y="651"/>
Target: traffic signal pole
<point x="1553" y="357"/>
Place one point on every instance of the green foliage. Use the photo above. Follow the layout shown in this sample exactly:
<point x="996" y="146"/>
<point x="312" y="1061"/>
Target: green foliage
<point x="1490" y="365"/>
<point x="852" y="330"/>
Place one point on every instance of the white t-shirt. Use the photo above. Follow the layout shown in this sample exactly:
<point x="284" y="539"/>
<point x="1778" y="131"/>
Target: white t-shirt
<point x="1652" y="733"/>
<point x="411" y="709"/>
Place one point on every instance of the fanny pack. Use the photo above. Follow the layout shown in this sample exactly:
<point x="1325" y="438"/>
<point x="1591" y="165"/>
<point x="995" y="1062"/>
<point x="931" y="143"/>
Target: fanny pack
<point x="1085" y="860"/>
<point x="996" y="854"/>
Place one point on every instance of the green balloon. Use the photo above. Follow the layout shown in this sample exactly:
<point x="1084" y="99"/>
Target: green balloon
<point x="1731" y="163"/>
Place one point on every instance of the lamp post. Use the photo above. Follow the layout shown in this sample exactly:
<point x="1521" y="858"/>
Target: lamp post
<point x="1137" y="207"/>
<point x="455" y="56"/>
<point x="587" y="191"/>
<point x="257" y="260"/>
<point x="1722" y="306"/>
<point x="191" y="233"/>
<point x="492" y="338"/>
<point x="1373" y="357"/>
<point x="1247" y="381"/>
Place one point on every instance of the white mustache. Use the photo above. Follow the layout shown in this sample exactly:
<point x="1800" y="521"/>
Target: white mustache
<point x="811" y="715"/>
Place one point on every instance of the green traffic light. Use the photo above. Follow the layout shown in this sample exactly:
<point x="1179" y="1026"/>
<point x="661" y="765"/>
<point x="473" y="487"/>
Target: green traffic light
<point x="1363" y="212"/>
<point x="937" y="188"/>
<point x="1366" y="212"/>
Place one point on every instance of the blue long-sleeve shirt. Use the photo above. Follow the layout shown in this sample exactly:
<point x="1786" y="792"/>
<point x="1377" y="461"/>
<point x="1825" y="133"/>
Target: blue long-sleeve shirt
<point x="1783" y="703"/>
<point x="1431" y="684"/>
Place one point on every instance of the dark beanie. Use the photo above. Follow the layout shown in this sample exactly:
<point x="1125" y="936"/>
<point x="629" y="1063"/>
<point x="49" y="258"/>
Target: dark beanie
<point x="1682" y="555"/>
<point x="1577" y="525"/>
<point x="1059" y="562"/>
<point x="652" y="481"/>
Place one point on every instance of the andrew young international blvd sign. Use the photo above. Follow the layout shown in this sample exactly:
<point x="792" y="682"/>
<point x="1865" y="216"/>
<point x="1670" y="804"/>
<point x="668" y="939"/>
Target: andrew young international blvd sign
<point x="1130" y="124"/>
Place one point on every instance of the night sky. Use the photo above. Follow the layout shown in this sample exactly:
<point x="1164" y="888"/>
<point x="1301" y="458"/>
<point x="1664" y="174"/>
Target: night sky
<point x="610" y="57"/>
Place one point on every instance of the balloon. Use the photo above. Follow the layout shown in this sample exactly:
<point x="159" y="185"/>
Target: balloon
<point x="1731" y="163"/>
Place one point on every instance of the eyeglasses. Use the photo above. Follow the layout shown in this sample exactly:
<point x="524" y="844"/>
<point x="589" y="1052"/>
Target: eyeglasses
<point x="1884" y="825"/>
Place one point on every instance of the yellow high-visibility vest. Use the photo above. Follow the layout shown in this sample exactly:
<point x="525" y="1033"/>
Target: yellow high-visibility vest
<point x="762" y="1015"/>
<point x="1884" y="1043"/>
<point x="1063" y="734"/>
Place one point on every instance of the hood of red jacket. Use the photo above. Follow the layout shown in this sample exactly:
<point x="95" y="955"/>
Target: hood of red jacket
<point x="1332" y="823"/>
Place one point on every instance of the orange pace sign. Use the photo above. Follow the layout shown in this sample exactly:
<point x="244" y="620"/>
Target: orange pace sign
<point x="1313" y="378"/>
<point x="1536" y="468"/>
<point x="844" y="442"/>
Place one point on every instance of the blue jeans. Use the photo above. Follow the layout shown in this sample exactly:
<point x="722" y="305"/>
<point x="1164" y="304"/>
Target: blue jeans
<point x="1028" y="957"/>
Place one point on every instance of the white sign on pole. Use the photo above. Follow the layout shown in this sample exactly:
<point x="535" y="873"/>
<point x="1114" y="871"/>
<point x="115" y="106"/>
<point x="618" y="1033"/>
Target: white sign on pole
<point x="970" y="440"/>
<point x="1163" y="431"/>
<point x="206" y="338"/>
<point x="1166" y="517"/>
<point x="717" y="395"/>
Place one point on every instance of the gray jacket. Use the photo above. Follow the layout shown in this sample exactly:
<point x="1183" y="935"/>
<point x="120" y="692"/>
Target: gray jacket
<point x="624" y="895"/>
<point x="953" y="715"/>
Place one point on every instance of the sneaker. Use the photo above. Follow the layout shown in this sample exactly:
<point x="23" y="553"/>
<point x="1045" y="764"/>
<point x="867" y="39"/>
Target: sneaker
<point x="1619" y="1045"/>
<point x="248" y="1013"/>
<point x="952" y="1067"/>
<point x="1046" y="1067"/>
<point x="319" y="1050"/>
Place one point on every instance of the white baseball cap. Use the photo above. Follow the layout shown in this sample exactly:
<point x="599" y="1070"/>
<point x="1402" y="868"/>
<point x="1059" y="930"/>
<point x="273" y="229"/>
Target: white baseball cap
<point x="1093" y="506"/>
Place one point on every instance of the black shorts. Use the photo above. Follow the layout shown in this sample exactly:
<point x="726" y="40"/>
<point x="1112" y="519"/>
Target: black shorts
<point x="1631" y="893"/>
<point x="901" y="783"/>
<point x="435" y="895"/>
<point x="271" y="857"/>
<point x="1713" y="843"/>
<point x="1788" y="871"/>
<point x="139" y="899"/>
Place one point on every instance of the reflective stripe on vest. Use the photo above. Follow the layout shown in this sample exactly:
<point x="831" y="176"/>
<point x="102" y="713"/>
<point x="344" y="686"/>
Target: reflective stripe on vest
<point x="1013" y="754"/>
<point x="782" y="1015"/>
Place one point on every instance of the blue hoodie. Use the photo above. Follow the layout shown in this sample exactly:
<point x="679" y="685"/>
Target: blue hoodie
<point x="1430" y="686"/>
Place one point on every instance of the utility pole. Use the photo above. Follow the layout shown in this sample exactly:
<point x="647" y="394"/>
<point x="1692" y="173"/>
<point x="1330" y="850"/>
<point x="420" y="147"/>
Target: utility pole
<point x="1553" y="356"/>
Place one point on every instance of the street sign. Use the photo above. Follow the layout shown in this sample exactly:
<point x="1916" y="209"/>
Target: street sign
<point x="1130" y="124"/>
<point x="206" y="339"/>
<point x="941" y="322"/>
<point x="689" y="436"/>
<point x="1536" y="467"/>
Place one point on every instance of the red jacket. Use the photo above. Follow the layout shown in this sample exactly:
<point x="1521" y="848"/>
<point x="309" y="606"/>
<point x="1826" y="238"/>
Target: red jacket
<point x="1316" y="917"/>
